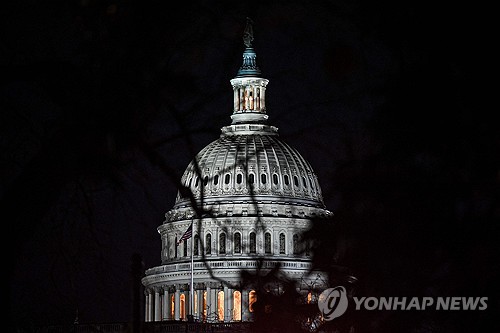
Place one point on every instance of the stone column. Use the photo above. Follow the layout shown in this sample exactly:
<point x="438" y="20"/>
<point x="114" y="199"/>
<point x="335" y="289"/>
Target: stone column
<point x="226" y="304"/>
<point x="187" y="303"/>
<point x="213" y="305"/>
<point x="209" y="298"/>
<point x="245" y="312"/>
<point x="177" y="301"/>
<point x="157" y="311"/>
<point x="262" y="98"/>
<point x="230" y="304"/>
<point x="166" y="303"/>
<point x="151" y="305"/>
<point x="199" y="296"/>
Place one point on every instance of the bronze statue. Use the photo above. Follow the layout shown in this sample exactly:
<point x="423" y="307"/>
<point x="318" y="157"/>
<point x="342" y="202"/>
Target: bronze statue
<point x="248" y="33"/>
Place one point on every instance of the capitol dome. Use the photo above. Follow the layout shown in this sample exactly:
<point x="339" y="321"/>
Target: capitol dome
<point x="250" y="162"/>
<point x="243" y="205"/>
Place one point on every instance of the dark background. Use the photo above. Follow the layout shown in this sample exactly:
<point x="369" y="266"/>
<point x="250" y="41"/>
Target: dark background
<point x="104" y="103"/>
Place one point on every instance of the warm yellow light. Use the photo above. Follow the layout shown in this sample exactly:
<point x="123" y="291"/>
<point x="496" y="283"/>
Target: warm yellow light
<point x="220" y="305"/>
<point x="182" y="306"/>
<point x="252" y="298"/>
<point x="237" y="305"/>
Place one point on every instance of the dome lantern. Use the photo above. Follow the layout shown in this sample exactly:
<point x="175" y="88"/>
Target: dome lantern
<point x="248" y="87"/>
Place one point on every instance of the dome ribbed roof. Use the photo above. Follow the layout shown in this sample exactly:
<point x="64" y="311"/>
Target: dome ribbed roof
<point x="243" y="163"/>
<point x="249" y="162"/>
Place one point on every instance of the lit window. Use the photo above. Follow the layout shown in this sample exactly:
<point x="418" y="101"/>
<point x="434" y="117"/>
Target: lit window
<point x="252" y="298"/>
<point x="237" y="305"/>
<point x="220" y="305"/>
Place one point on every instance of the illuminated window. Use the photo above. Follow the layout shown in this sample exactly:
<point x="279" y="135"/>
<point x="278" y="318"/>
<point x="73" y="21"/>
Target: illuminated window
<point x="172" y="306"/>
<point x="282" y="243"/>
<point x="220" y="305"/>
<point x="222" y="243"/>
<point x="204" y="305"/>
<point x="267" y="242"/>
<point x="237" y="242"/>
<point x="195" y="300"/>
<point x="208" y="244"/>
<point x="253" y="246"/>
<point x="309" y="297"/>
<point x="182" y="306"/>
<point x="237" y="305"/>
<point x="252" y="298"/>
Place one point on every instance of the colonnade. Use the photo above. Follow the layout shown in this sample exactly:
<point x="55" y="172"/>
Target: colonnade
<point x="212" y="302"/>
<point x="251" y="97"/>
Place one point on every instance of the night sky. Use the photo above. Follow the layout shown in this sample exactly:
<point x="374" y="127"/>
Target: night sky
<point x="104" y="103"/>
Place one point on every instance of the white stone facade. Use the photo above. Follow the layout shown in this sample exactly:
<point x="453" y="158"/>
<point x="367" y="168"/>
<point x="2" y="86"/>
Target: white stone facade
<point x="250" y="198"/>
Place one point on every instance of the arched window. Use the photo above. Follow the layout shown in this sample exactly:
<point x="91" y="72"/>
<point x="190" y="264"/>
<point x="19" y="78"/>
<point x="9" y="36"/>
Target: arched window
<point x="239" y="178"/>
<point x="185" y="247"/>
<point x="267" y="243"/>
<point x="222" y="243"/>
<point x="282" y="243"/>
<point x="182" y="310"/>
<point x="296" y="181"/>
<point x="227" y="178"/>
<point x="275" y="179"/>
<point x="237" y="305"/>
<point x="216" y="179"/>
<point x="251" y="178"/>
<point x="263" y="178"/>
<point x="205" y="181"/>
<point x="220" y="305"/>
<point x="175" y="245"/>
<point x="252" y="298"/>
<point x="196" y="182"/>
<point x="237" y="242"/>
<point x="208" y="244"/>
<point x="196" y="245"/>
<point x="286" y="179"/>
<point x="304" y="182"/>
<point x="252" y="242"/>
<point x="296" y="244"/>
